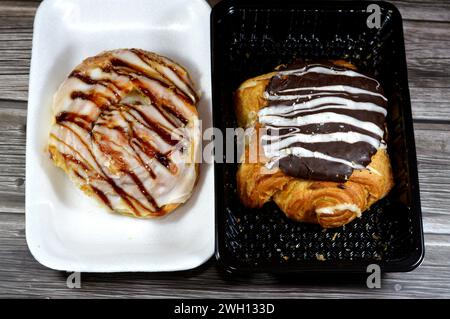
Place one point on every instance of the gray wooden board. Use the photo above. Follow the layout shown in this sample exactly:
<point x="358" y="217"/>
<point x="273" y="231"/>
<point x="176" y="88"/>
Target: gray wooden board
<point x="427" y="37"/>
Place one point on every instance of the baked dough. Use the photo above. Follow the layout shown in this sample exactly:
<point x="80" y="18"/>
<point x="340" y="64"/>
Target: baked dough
<point x="126" y="131"/>
<point x="330" y="203"/>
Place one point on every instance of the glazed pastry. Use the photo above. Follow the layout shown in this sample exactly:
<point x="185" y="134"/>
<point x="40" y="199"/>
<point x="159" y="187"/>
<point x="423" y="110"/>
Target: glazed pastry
<point x="319" y="138"/>
<point x="126" y="131"/>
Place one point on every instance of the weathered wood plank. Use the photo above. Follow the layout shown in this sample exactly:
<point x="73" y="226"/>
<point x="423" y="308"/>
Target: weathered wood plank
<point x="429" y="81"/>
<point x="433" y="154"/>
<point x="16" y="28"/>
<point x="27" y="7"/>
<point x="427" y="40"/>
<point x="12" y="156"/>
<point x="429" y="10"/>
<point x="22" y="276"/>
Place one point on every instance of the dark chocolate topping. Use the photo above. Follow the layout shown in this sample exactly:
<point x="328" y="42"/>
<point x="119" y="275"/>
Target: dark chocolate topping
<point x="323" y="121"/>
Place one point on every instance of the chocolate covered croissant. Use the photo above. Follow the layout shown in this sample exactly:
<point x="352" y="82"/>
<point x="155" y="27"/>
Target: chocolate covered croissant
<point x="319" y="138"/>
<point x="126" y="131"/>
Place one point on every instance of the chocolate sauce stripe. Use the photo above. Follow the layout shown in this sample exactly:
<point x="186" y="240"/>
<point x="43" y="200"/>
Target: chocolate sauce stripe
<point x="155" y="153"/>
<point x="299" y="103"/>
<point x="308" y="68"/>
<point x="311" y="79"/>
<point x="325" y="128"/>
<point x="331" y="121"/>
<point x="302" y="169"/>
<point x="312" y="120"/>
<point x="159" y="158"/>
<point x="85" y="161"/>
<point x="152" y="152"/>
<point x="109" y="140"/>
<point x="159" y="129"/>
<point x="142" y="189"/>
<point x="162" y="158"/>
<point x="170" y="108"/>
<point x="91" y="81"/>
<point x="65" y="126"/>
<point x="361" y="98"/>
<point x="144" y="59"/>
<point x="176" y="114"/>
<point x="92" y="97"/>
<point x="63" y="118"/>
<point x="141" y="71"/>
<point x="77" y="163"/>
<point x="102" y="196"/>
<point x="143" y="123"/>
<point x="168" y="116"/>
<point x="142" y="162"/>
<point x="282" y="139"/>
<point x="71" y="158"/>
<point x="319" y="108"/>
<point x="83" y="121"/>
<point x="365" y="116"/>
<point x="323" y="90"/>
<point x="107" y="83"/>
<point x="359" y="153"/>
<point x="132" y="72"/>
<point x="116" y="67"/>
<point x="78" y="174"/>
<point x="119" y="191"/>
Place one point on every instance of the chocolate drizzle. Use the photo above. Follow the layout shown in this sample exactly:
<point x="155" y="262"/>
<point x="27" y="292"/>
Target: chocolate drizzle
<point x="112" y="147"/>
<point x="323" y="121"/>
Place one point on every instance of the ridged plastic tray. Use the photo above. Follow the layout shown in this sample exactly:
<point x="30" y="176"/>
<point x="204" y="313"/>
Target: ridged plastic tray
<point x="250" y="38"/>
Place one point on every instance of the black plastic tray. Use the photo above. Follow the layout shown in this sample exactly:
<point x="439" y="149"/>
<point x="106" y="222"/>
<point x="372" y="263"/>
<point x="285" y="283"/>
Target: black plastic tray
<point x="250" y="38"/>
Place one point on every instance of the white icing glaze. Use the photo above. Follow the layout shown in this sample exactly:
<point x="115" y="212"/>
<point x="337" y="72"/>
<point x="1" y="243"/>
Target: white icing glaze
<point x="335" y="88"/>
<point x="321" y="103"/>
<point x="324" y="70"/>
<point x="293" y="137"/>
<point x="340" y="207"/>
<point x="122" y="133"/>
<point x="324" y="117"/>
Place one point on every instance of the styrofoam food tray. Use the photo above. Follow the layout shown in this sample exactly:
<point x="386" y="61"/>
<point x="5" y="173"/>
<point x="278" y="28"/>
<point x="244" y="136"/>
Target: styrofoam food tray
<point x="67" y="230"/>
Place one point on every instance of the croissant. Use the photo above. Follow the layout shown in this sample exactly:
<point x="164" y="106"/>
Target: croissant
<point x="126" y="131"/>
<point x="318" y="132"/>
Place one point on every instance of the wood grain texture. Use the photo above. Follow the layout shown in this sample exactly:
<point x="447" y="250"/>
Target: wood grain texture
<point x="16" y="28"/>
<point x="424" y="10"/>
<point x="427" y="40"/>
<point x="21" y="276"/>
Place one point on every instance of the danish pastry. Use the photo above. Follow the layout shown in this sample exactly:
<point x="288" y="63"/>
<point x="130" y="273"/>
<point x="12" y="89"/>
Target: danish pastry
<point x="126" y="131"/>
<point x="319" y="135"/>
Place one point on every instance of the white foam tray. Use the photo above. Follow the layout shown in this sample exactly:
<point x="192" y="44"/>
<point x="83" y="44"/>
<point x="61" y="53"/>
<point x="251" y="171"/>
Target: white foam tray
<point x="67" y="230"/>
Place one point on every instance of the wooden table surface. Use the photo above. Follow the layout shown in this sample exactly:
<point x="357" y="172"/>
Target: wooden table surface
<point x="427" y="36"/>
